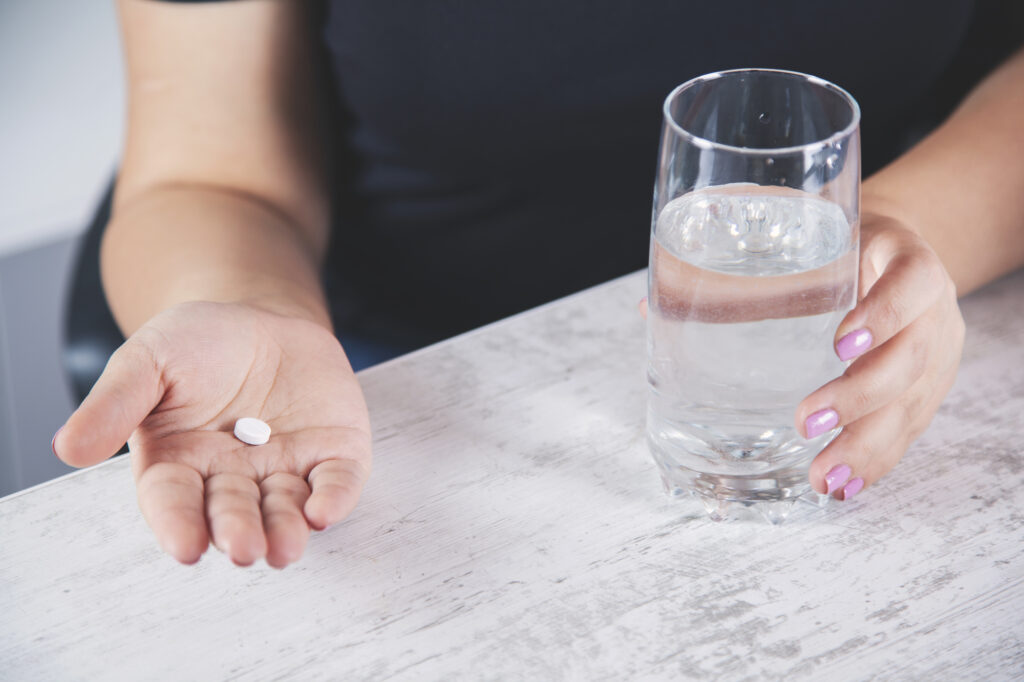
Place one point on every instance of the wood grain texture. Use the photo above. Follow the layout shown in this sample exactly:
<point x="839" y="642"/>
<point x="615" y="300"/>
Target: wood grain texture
<point x="514" y="528"/>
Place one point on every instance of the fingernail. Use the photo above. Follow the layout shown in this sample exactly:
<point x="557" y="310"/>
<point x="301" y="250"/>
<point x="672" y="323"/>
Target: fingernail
<point x="53" y="442"/>
<point x="853" y="344"/>
<point x="820" y="422"/>
<point x="837" y="476"/>
<point x="852" y="488"/>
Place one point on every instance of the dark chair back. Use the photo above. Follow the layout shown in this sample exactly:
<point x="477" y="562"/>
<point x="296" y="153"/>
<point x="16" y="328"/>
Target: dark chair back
<point x="90" y="333"/>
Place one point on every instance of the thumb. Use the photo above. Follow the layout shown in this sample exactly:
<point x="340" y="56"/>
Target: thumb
<point x="127" y="391"/>
<point x="908" y="284"/>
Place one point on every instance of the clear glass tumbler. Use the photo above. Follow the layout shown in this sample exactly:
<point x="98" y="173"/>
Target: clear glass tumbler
<point x="754" y="258"/>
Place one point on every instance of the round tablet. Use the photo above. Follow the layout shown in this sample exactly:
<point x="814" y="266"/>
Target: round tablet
<point x="252" y="431"/>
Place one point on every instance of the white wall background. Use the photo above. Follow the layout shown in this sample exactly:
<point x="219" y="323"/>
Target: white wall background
<point x="61" y="115"/>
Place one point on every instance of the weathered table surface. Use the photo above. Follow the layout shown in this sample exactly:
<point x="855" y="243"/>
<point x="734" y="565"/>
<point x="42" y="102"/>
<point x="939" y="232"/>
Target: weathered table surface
<point x="515" y="529"/>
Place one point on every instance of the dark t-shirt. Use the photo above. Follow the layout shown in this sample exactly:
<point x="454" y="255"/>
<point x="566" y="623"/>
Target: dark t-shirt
<point x="495" y="155"/>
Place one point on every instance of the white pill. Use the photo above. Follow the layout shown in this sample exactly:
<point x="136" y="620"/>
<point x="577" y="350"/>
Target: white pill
<point x="252" y="431"/>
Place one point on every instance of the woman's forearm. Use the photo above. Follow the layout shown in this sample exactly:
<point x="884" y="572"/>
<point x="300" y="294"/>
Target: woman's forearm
<point x="222" y="189"/>
<point x="177" y="243"/>
<point x="962" y="187"/>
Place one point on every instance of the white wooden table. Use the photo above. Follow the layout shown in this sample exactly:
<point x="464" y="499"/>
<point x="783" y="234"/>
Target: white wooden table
<point x="515" y="529"/>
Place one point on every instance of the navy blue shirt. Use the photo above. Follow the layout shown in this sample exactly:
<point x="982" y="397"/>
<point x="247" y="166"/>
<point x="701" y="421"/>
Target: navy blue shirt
<point x="494" y="155"/>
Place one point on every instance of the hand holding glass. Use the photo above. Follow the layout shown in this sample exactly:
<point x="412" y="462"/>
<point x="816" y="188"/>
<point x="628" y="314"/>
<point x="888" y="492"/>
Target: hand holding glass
<point x="754" y="260"/>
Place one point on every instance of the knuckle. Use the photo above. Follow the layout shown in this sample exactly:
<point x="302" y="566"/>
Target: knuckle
<point x="137" y="354"/>
<point x="283" y="515"/>
<point x="917" y="363"/>
<point x="887" y="241"/>
<point x="285" y="484"/>
<point x="934" y="271"/>
<point x="870" y="450"/>
<point x="916" y="416"/>
<point x="891" y="312"/>
<point x="862" y="395"/>
<point x="233" y="485"/>
<point x="126" y="354"/>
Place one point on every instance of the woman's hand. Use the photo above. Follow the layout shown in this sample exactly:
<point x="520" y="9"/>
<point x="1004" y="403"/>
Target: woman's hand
<point x="905" y="337"/>
<point x="174" y="391"/>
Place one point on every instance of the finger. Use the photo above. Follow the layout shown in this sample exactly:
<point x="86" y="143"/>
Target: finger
<point x="170" y="497"/>
<point x="233" y="513"/>
<point x="875" y="380"/>
<point x="283" y="521"/>
<point x="642" y="307"/>
<point x="868" y="449"/>
<point x="336" y="485"/>
<point x="860" y="455"/>
<point x="911" y="282"/>
<point x="122" y="397"/>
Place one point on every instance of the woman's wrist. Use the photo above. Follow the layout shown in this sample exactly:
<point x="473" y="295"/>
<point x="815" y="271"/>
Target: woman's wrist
<point x="174" y="246"/>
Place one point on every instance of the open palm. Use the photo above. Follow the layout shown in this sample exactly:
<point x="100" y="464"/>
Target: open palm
<point x="175" y="389"/>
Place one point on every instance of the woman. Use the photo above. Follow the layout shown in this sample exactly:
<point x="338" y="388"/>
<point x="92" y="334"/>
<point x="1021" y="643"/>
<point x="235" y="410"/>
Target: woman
<point x="476" y="159"/>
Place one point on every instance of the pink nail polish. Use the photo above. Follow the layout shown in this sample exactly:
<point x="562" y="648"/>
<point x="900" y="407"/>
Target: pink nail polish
<point x="836" y="477"/>
<point x="852" y="488"/>
<point x="820" y="422"/>
<point x="853" y="344"/>
<point x="53" y="442"/>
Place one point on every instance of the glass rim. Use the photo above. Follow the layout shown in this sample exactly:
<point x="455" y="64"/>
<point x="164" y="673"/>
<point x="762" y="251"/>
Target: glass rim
<point x="705" y="143"/>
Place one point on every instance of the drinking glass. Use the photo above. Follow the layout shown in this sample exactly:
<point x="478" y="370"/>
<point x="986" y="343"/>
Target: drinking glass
<point x="753" y="264"/>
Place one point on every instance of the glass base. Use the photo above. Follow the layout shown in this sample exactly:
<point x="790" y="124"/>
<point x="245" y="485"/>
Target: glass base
<point x="770" y="497"/>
